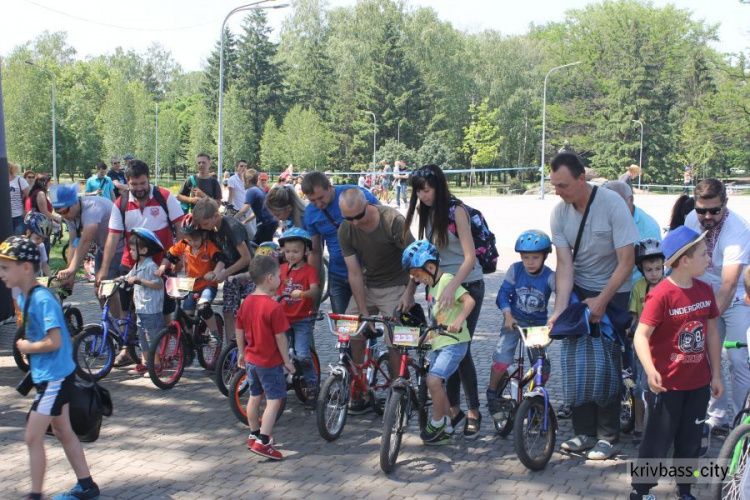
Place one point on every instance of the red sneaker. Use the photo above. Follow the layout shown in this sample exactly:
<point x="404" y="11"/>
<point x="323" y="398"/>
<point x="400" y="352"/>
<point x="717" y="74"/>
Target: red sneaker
<point x="251" y="439"/>
<point x="266" y="450"/>
<point x="139" y="369"/>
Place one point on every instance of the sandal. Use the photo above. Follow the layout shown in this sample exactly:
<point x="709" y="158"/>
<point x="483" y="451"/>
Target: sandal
<point x="471" y="429"/>
<point x="121" y="361"/>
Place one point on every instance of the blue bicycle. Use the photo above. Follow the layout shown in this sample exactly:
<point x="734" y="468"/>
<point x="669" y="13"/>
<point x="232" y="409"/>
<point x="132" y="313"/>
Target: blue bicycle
<point x="95" y="348"/>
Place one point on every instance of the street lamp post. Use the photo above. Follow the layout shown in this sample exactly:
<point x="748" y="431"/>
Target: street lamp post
<point x="54" y="135"/>
<point x="156" y="146"/>
<point x="241" y="8"/>
<point x="544" y="120"/>
<point x="640" y="156"/>
<point x="374" y="139"/>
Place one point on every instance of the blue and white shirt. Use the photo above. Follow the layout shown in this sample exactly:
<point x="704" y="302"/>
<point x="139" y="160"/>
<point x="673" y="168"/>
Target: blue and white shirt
<point x="526" y="296"/>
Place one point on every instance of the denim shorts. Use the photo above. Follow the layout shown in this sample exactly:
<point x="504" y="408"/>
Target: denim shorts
<point x="506" y="351"/>
<point x="148" y="326"/>
<point x="444" y="362"/>
<point x="208" y="294"/>
<point x="233" y="294"/>
<point x="269" y="380"/>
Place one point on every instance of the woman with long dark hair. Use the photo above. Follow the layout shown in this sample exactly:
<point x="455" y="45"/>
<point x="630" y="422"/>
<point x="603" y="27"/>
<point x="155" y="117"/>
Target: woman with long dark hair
<point x="444" y="220"/>
<point x="682" y="207"/>
<point x="38" y="201"/>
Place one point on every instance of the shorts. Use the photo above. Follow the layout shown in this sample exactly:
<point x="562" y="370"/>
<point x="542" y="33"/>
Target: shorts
<point x="114" y="266"/>
<point x="208" y="294"/>
<point x="379" y="300"/>
<point x="126" y="296"/>
<point x="506" y="351"/>
<point x="52" y="396"/>
<point x="444" y="362"/>
<point x="269" y="380"/>
<point x="233" y="294"/>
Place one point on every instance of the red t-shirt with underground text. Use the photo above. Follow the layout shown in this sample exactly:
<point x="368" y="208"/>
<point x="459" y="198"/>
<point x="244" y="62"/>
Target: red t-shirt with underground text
<point x="297" y="279"/>
<point x="678" y="343"/>
<point x="262" y="318"/>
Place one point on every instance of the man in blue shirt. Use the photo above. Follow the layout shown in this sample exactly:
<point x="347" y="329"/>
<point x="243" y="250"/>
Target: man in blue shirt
<point x="99" y="184"/>
<point x="322" y="220"/>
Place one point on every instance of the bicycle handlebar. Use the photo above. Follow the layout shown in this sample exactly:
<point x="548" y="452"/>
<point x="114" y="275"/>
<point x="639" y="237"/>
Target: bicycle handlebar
<point x="733" y="344"/>
<point x="364" y="320"/>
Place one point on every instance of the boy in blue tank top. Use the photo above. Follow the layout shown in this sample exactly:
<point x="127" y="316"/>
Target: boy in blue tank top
<point x="523" y="299"/>
<point x="50" y="352"/>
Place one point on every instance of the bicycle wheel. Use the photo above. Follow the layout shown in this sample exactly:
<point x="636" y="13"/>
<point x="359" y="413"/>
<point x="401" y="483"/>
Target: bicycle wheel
<point x="627" y="410"/>
<point x="298" y="380"/>
<point x="534" y="445"/>
<point x="209" y="343"/>
<point x="736" y="454"/>
<point x="73" y="320"/>
<point x="502" y="419"/>
<point x="226" y="366"/>
<point x="394" y="423"/>
<point x="168" y="349"/>
<point x="239" y="395"/>
<point x="380" y="384"/>
<point x="92" y="352"/>
<point x="331" y="410"/>
<point x="22" y="361"/>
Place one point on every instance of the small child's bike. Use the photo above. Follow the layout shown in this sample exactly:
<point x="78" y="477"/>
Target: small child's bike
<point x="186" y="336"/>
<point x="350" y="381"/>
<point x="226" y="366"/>
<point x="735" y="453"/>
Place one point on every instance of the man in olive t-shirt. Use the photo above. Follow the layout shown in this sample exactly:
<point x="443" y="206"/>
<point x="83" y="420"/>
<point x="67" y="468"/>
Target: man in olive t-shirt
<point x="200" y="185"/>
<point x="372" y="241"/>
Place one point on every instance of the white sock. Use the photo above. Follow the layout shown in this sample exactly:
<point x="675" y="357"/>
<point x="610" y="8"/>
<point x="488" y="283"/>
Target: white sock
<point x="438" y="423"/>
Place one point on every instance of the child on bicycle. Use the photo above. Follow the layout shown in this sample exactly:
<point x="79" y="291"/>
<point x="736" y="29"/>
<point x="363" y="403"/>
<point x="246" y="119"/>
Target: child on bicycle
<point x="261" y="336"/>
<point x="39" y="228"/>
<point x="523" y="299"/>
<point x="148" y="291"/>
<point x="678" y="344"/>
<point x="202" y="259"/>
<point x="649" y="259"/>
<point x="300" y="280"/>
<point x="52" y="368"/>
<point x="423" y="261"/>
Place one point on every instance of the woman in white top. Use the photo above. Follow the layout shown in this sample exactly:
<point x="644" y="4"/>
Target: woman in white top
<point x="19" y="190"/>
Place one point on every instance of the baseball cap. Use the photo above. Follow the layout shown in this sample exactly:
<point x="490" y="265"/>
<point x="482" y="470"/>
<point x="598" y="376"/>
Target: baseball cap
<point x="263" y="176"/>
<point x="128" y="157"/>
<point x="19" y="249"/>
<point x="63" y="195"/>
<point x="679" y="241"/>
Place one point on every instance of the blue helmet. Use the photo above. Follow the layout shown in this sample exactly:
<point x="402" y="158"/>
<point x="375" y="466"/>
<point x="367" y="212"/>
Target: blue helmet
<point x="418" y="254"/>
<point x="149" y="239"/>
<point x="38" y="223"/>
<point x="533" y="241"/>
<point x="298" y="234"/>
<point x="63" y="195"/>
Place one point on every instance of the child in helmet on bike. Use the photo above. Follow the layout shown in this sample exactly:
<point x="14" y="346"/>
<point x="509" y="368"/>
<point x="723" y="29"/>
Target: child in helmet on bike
<point x="299" y="280"/>
<point x="39" y="228"/>
<point x="148" y="290"/>
<point x="202" y="259"/>
<point x="649" y="259"/>
<point x="422" y="260"/>
<point x="523" y="299"/>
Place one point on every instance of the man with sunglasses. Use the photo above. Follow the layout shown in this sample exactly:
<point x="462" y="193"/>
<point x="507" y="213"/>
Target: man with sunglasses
<point x="372" y="241"/>
<point x="728" y="242"/>
<point x="322" y="220"/>
<point x="118" y="177"/>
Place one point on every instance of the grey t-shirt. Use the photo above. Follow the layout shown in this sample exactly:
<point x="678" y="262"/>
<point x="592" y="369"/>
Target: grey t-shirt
<point x="147" y="300"/>
<point x="609" y="226"/>
<point x="94" y="210"/>
<point x="452" y="256"/>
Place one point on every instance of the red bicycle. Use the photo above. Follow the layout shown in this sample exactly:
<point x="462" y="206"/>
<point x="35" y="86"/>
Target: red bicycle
<point x="349" y="380"/>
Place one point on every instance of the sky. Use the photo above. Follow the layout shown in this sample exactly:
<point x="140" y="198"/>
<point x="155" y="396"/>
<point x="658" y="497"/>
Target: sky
<point x="189" y="28"/>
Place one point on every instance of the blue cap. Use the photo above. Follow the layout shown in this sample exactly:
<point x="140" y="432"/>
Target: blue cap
<point x="63" y="195"/>
<point x="128" y="157"/>
<point x="679" y="241"/>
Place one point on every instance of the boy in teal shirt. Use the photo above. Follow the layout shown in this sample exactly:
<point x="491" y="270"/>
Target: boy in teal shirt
<point x="423" y="261"/>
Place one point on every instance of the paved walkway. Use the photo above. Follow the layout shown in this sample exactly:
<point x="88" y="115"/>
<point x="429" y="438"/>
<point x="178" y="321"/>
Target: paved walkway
<point x="185" y="443"/>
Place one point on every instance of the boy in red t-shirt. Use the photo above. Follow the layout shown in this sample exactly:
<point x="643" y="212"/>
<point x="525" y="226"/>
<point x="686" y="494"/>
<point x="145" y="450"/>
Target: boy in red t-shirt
<point x="261" y="335"/>
<point x="299" y="280"/>
<point x="677" y="342"/>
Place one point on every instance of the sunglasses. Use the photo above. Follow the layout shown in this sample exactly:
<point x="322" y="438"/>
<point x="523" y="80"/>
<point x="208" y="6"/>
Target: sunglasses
<point x="358" y="216"/>
<point x="423" y="172"/>
<point x="63" y="211"/>
<point x="115" y="163"/>
<point x="712" y="211"/>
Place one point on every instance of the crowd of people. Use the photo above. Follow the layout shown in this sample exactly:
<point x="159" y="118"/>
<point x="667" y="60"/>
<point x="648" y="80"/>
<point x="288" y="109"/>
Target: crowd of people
<point x="610" y="261"/>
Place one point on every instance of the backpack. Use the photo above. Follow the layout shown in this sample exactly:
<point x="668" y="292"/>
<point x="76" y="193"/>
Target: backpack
<point x="484" y="239"/>
<point x="159" y="199"/>
<point x="186" y="206"/>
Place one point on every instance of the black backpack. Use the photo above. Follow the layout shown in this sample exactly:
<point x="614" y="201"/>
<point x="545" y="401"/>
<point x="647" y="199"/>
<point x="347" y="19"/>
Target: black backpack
<point x="159" y="199"/>
<point x="484" y="239"/>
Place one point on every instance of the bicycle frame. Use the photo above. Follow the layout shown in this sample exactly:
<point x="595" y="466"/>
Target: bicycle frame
<point x="108" y="322"/>
<point x="535" y="377"/>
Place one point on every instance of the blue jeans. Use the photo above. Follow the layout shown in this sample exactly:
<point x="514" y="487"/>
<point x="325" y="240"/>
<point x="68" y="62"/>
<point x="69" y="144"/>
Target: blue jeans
<point x="208" y="294"/>
<point x="302" y="333"/>
<point x="400" y="192"/>
<point x="19" y="228"/>
<point x="340" y="292"/>
<point x="148" y="326"/>
<point x="444" y="362"/>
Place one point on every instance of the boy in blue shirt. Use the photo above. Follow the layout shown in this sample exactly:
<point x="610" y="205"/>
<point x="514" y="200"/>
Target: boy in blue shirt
<point x="50" y="353"/>
<point x="99" y="184"/>
<point x="523" y="299"/>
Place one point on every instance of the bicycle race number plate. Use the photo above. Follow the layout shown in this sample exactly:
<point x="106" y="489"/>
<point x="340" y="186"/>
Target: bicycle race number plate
<point x="106" y="288"/>
<point x="344" y="328"/>
<point x="537" y="336"/>
<point x="178" y="288"/>
<point x="406" y="335"/>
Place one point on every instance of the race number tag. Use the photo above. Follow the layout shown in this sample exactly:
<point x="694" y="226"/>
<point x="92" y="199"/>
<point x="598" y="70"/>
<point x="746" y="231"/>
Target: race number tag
<point x="406" y="336"/>
<point x="345" y="327"/>
<point x="537" y="336"/>
<point x="43" y="280"/>
<point x="106" y="288"/>
<point x="185" y="284"/>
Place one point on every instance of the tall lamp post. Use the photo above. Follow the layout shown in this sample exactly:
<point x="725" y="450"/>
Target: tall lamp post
<point x="54" y="135"/>
<point x="544" y="121"/>
<point x="640" y="156"/>
<point x="374" y="139"/>
<point x="241" y="8"/>
<point x="156" y="146"/>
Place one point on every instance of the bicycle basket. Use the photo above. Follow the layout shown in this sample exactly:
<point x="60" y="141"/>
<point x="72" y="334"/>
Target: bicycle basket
<point x="407" y="336"/>
<point x="179" y="288"/>
<point x="107" y="288"/>
<point x="538" y="336"/>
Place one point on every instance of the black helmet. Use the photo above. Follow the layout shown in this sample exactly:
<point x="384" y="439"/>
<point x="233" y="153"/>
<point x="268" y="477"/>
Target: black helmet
<point x="645" y="249"/>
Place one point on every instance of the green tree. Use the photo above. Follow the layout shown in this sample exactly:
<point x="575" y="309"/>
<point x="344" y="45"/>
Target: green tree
<point x="482" y="137"/>
<point x="272" y="155"/>
<point x="433" y="152"/>
<point x="239" y="135"/>
<point x="392" y="150"/>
